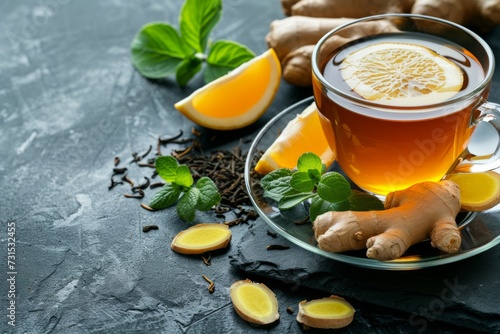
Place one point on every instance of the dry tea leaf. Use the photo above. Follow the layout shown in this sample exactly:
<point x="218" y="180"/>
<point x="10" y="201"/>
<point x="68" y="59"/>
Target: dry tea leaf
<point x="329" y="312"/>
<point x="254" y="302"/>
<point x="202" y="238"/>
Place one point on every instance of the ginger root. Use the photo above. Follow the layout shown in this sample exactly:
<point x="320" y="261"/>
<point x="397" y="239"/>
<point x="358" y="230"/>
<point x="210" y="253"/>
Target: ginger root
<point x="293" y="38"/>
<point x="424" y="210"/>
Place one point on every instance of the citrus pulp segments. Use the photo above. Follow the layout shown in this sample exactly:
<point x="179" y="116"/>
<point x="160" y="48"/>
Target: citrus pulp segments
<point x="309" y="131"/>
<point x="478" y="191"/>
<point x="401" y="74"/>
<point x="236" y="99"/>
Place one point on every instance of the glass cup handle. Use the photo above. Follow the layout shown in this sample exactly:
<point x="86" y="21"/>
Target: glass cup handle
<point x="470" y="163"/>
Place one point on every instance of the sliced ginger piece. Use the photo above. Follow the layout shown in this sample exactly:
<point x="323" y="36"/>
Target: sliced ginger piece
<point x="202" y="238"/>
<point x="254" y="302"/>
<point x="478" y="191"/>
<point x="329" y="312"/>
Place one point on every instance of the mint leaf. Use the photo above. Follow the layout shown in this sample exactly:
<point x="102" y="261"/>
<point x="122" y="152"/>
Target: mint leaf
<point x="328" y="192"/>
<point x="276" y="184"/>
<point x="320" y="206"/>
<point x="187" y="70"/>
<point x="165" y="197"/>
<point x="197" y="19"/>
<point x="225" y="56"/>
<point x="333" y="187"/>
<point x="302" y="182"/>
<point x="274" y="175"/>
<point x="166" y="166"/>
<point x="183" y="176"/>
<point x="361" y="201"/>
<point x="200" y="196"/>
<point x="309" y="161"/>
<point x="186" y="207"/>
<point x="289" y="201"/>
<point x="157" y="50"/>
<point x="279" y="188"/>
<point x="209" y="195"/>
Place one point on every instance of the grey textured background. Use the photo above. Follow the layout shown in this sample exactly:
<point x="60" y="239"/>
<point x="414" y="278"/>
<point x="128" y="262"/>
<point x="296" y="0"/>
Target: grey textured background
<point x="70" y="101"/>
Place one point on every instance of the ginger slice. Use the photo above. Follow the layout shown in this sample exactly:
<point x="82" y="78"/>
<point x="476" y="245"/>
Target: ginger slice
<point x="202" y="238"/>
<point x="329" y="312"/>
<point x="478" y="191"/>
<point x="254" y="302"/>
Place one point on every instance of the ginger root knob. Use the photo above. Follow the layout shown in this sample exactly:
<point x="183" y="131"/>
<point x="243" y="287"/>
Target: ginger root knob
<point x="424" y="210"/>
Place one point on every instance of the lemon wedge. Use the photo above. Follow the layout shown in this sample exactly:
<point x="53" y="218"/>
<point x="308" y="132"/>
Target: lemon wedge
<point x="401" y="74"/>
<point x="478" y="191"/>
<point x="309" y="131"/>
<point x="201" y="238"/>
<point x="254" y="302"/>
<point x="238" y="98"/>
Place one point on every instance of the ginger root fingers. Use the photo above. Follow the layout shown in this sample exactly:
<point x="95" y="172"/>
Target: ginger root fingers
<point x="424" y="210"/>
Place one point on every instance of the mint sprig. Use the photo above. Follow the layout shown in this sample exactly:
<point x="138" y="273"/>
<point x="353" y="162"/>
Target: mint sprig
<point x="160" y="50"/>
<point x="328" y="191"/>
<point x="180" y="188"/>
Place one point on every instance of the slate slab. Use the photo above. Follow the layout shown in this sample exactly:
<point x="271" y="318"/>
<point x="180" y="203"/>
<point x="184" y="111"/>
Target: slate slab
<point x="464" y="293"/>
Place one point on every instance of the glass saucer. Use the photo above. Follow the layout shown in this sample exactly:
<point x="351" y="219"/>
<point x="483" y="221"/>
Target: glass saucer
<point x="480" y="231"/>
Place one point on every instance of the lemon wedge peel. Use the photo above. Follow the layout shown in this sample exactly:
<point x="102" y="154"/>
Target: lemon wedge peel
<point x="236" y="99"/>
<point x="401" y="74"/>
<point x="202" y="238"/>
<point x="478" y="191"/>
<point x="309" y="131"/>
<point x="330" y="312"/>
<point x="254" y="302"/>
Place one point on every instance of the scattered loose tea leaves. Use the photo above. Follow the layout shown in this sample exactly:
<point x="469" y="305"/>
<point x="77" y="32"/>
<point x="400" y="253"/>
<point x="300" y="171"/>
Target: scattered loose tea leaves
<point x="195" y="132"/>
<point x="272" y="234"/>
<point x="156" y="185"/>
<point x="136" y="157"/>
<point x="207" y="259"/>
<point x="142" y="186"/>
<point x="211" y="287"/>
<point x="149" y="165"/>
<point x="128" y="180"/>
<point x="119" y="170"/>
<point x="224" y="167"/>
<point x="277" y="247"/>
<point x="147" y="207"/>
<point x="147" y="152"/>
<point x="148" y="228"/>
<point x="138" y="193"/>
<point x="114" y="183"/>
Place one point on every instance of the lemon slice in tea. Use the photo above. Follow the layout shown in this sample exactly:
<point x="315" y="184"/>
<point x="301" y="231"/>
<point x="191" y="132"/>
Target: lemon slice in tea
<point x="401" y="74"/>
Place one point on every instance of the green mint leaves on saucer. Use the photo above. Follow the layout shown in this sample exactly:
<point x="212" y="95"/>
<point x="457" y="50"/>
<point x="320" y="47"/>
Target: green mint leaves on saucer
<point x="328" y="191"/>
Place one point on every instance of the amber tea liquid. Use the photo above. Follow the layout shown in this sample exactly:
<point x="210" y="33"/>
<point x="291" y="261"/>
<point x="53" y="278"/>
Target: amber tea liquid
<point x="385" y="149"/>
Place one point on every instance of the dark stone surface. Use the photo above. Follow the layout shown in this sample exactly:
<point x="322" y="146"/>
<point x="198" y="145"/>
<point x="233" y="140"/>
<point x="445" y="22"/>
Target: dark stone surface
<point x="70" y="101"/>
